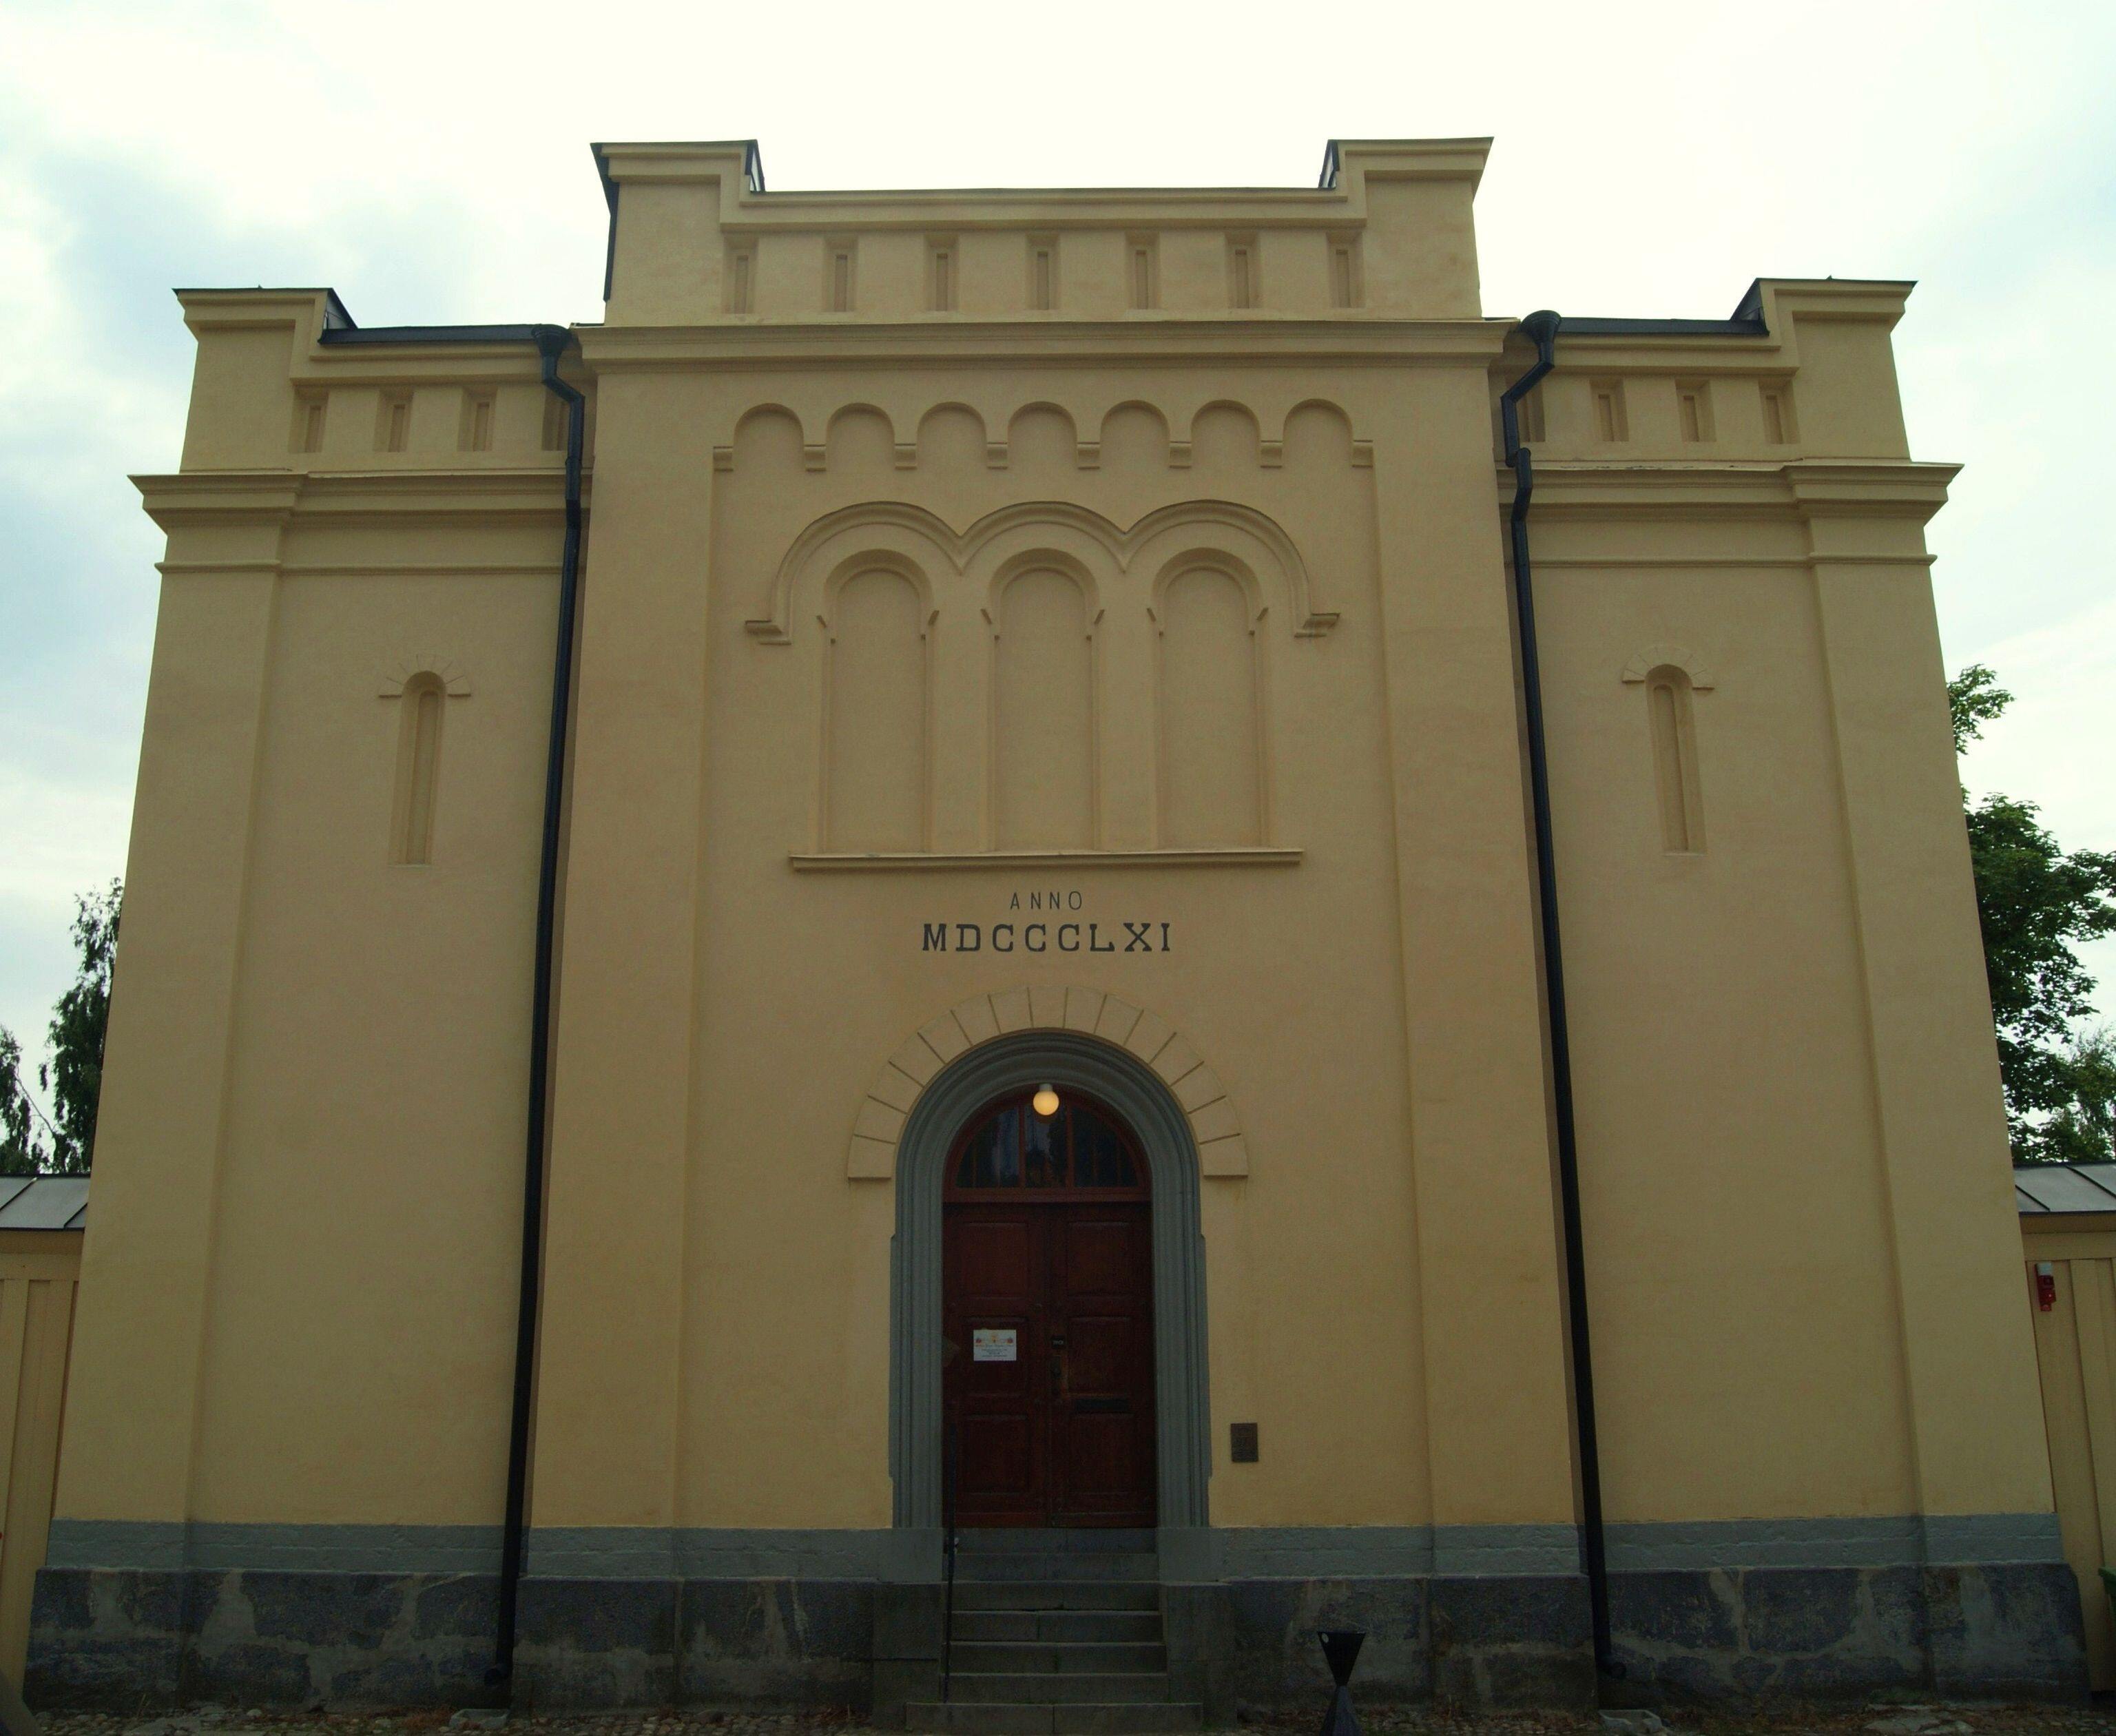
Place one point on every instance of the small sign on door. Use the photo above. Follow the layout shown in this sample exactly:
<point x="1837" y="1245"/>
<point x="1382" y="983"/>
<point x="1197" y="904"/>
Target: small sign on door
<point x="992" y="1344"/>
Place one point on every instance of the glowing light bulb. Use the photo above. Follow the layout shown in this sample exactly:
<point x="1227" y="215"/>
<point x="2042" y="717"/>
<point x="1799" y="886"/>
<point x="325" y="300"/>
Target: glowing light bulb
<point x="1045" y="1103"/>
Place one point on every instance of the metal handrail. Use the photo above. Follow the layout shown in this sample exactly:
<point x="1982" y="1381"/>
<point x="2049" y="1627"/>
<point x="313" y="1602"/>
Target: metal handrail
<point x="948" y="1548"/>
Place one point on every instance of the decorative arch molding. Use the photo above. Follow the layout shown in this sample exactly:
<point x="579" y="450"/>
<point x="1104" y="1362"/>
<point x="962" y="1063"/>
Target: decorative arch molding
<point x="1669" y="657"/>
<point x="876" y="560"/>
<point x="451" y="679"/>
<point x="1211" y="560"/>
<point x="1044" y="553"/>
<point x="1114" y="1074"/>
<point x="1215" y="1128"/>
<point x="1244" y="532"/>
<point x="1272" y="413"/>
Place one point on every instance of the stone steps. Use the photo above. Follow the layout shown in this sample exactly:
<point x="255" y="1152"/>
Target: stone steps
<point x="986" y="1567"/>
<point x="1057" y="1627"/>
<point x="1057" y="1634"/>
<point x="974" y="1597"/>
<point x="1060" y="1657"/>
<point x="964" y="1718"/>
<point x="1057" y="1687"/>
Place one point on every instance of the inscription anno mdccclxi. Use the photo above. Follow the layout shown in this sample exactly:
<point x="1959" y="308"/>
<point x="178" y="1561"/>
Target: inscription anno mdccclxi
<point x="1063" y="932"/>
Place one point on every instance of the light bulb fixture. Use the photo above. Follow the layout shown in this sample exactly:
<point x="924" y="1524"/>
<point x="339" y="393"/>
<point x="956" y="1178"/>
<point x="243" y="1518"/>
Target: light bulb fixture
<point x="1045" y="1103"/>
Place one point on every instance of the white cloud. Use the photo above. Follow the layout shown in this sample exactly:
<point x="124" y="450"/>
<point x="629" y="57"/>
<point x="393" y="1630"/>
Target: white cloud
<point x="429" y="159"/>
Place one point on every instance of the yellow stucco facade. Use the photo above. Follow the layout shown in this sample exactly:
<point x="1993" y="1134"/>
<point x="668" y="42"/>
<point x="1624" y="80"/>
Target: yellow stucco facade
<point x="963" y="570"/>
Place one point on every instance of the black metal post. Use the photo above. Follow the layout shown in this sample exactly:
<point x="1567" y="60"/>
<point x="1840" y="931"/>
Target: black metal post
<point x="553" y="341"/>
<point x="1541" y="329"/>
<point x="1341" y="1651"/>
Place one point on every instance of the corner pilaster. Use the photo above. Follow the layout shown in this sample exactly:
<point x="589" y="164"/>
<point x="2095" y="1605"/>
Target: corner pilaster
<point x="147" y="1269"/>
<point x="1966" y="1347"/>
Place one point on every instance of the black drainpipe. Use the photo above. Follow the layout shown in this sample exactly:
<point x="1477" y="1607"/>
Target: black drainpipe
<point x="553" y="341"/>
<point x="1541" y="329"/>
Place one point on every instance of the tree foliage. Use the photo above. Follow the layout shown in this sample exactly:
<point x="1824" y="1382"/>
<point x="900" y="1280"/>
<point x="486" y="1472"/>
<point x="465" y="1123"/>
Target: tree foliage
<point x="23" y="1150"/>
<point x="2036" y="903"/>
<point x="62" y="1140"/>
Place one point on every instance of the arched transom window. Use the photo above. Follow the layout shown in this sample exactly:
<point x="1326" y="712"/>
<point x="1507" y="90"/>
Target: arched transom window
<point x="1078" y="1147"/>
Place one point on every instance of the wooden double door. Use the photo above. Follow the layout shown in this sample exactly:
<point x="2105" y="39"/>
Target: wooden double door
<point x="1047" y="1310"/>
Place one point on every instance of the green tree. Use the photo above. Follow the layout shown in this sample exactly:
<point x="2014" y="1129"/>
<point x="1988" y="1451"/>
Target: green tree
<point x="73" y="1075"/>
<point x="2036" y="903"/>
<point x="2083" y="1130"/>
<point x="23" y="1151"/>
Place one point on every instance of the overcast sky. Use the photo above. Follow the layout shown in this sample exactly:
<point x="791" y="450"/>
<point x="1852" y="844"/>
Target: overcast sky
<point x="431" y="162"/>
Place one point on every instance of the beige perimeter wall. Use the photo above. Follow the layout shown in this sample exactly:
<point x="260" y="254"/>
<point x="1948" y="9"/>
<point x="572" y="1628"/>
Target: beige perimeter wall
<point x="2076" y="1348"/>
<point x="38" y="1271"/>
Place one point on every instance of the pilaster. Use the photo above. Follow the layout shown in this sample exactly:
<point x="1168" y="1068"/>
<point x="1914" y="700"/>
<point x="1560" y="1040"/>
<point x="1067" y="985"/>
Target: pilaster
<point x="1966" y="1348"/>
<point x="1492" y="1312"/>
<point x="608" y="1374"/>
<point x="132" y="1421"/>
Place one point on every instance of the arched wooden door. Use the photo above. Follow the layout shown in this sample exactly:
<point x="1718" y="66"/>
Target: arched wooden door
<point x="1047" y="1313"/>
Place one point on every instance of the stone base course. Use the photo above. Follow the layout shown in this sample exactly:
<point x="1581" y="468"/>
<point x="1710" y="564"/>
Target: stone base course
<point x="131" y="1637"/>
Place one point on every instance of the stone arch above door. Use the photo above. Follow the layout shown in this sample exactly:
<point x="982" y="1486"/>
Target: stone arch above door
<point x="1130" y="1087"/>
<point x="1216" y="1128"/>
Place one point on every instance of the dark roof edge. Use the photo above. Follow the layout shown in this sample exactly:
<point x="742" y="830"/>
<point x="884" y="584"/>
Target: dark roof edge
<point x="340" y="327"/>
<point x="335" y="335"/>
<point x="1577" y="328"/>
<point x="1745" y="321"/>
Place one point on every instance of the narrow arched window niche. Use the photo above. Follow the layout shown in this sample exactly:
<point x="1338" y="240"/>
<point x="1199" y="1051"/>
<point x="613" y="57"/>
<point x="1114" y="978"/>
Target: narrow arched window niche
<point x="1209" y="706"/>
<point x="1045" y="777"/>
<point x="421" y="711"/>
<point x="875" y="733"/>
<point x="1672" y="718"/>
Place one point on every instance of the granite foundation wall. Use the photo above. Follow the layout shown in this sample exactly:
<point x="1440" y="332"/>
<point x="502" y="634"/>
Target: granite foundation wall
<point x="588" y="1644"/>
<point x="2003" y="1631"/>
<point x="1245" y="1641"/>
<point x="1501" y="1641"/>
<point x="103" y="1637"/>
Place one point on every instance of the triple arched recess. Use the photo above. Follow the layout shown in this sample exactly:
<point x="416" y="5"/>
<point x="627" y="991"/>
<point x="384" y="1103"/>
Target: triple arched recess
<point x="1043" y="583"/>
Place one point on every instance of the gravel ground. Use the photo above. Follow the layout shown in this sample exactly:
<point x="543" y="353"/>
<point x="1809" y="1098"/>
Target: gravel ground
<point x="1889" y="1719"/>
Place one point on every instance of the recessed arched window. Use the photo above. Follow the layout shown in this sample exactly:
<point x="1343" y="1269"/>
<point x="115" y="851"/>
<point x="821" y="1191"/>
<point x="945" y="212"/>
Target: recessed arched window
<point x="418" y="769"/>
<point x="1079" y="1148"/>
<point x="1043" y="711"/>
<point x="1676" y="778"/>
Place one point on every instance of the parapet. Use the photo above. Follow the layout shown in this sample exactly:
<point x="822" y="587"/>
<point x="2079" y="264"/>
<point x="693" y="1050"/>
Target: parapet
<point x="696" y="239"/>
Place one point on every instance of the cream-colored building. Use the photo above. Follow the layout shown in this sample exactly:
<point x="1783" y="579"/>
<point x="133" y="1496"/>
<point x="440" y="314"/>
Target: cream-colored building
<point x="1052" y="646"/>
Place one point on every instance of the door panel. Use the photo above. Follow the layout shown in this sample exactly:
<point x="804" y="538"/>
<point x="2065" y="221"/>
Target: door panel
<point x="993" y="1267"/>
<point x="1103" y="1305"/>
<point x="1063" y="1434"/>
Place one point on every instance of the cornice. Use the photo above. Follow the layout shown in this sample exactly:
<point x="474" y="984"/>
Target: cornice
<point x="1903" y="488"/>
<point x="416" y="364"/>
<point x="913" y="861"/>
<point x="219" y="497"/>
<point x="1158" y="338"/>
<point x="258" y="497"/>
<point x="1580" y="490"/>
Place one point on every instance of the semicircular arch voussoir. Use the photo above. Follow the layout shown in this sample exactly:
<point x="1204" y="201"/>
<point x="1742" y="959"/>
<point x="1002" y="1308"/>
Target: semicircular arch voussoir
<point x="878" y="1123"/>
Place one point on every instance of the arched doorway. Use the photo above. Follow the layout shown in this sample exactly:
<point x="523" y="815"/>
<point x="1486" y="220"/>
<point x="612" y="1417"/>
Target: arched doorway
<point x="952" y="1102"/>
<point x="1047" y="1316"/>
